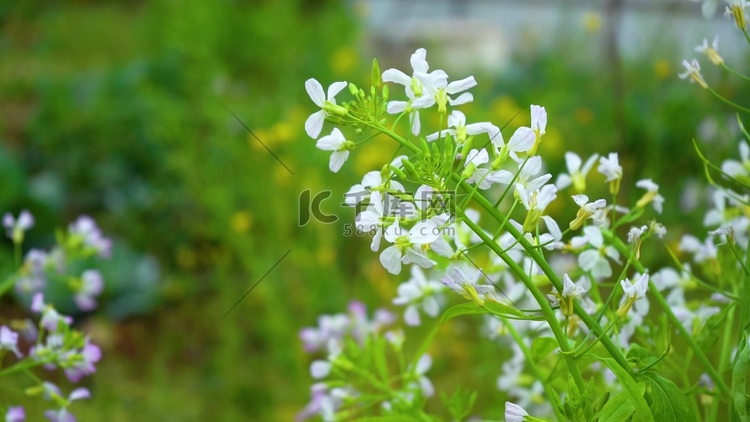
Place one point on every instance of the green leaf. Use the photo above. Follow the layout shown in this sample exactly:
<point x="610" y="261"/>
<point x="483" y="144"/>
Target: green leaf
<point x="506" y="311"/>
<point x="635" y="390"/>
<point x="460" y="403"/>
<point x="468" y="308"/>
<point x="494" y="308"/>
<point x="618" y="408"/>
<point x="641" y="356"/>
<point x="542" y="346"/>
<point x="709" y="334"/>
<point x="668" y="403"/>
<point x="381" y="362"/>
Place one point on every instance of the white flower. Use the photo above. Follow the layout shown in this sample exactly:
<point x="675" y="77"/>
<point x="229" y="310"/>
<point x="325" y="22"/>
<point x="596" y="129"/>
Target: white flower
<point x="457" y="121"/>
<point x="481" y="176"/>
<point x="372" y="179"/>
<point x="521" y="141"/>
<point x="9" y="340"/>
<point x="15" y="228"/>
<point x="577" y="172"/>
<point x="514" y="412"/>
<point x="635" y="289"/>
<point x="593" y="210"/>
<point x="462" y="279"/>
<point x="413" y="86"/>
<point x="610" y="167"/>
<point x="438" y="91"/>
<point x="736" y="10"/>
<point x="339" y="145"/>
<point x="701" y="251"/>
<point x="423" y="383"/>
<point x="570" y="289"/>
<point x="321" y="368"/>
<point x="526" y="175"/>
<point x="652" y="195"/>
<point x="595" y="260"/>
<point x="314" y="123"/>
<point x="693" y="72"/>
<point x="736" y="168"/>
<point x="407" y="248"/>
<point x="536" y="200"/>
<point x="538" y="125"/>
<point x="711" y="51"/>
<point x="635" y="233"/>
<point x="372" y="220"/>
<point x="419" y="292"/>
<point x="569" y="293"/>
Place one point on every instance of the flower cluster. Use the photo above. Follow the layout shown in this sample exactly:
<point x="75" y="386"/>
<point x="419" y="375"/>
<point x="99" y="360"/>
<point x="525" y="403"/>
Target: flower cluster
<point x="52" y="342"/>
<point x="346" y="374"/>
<point x="418" y="209"/>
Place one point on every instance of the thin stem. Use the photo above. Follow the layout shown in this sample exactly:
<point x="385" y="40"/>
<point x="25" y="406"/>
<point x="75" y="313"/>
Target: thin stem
<point x="728" y="102"/>
<point x="531" y="364"/>
<point x="549" y="314"/>
<point x="736" y="73"/>
<point x="554" y="279"/>
<point x="656" y="294"/>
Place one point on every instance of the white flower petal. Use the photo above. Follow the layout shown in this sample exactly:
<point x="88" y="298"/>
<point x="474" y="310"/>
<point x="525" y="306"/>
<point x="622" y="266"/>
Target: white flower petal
<point x="314" y="124"/>
<point x="315" y="91"/>
<point x="334" y="89"/>
<point x="390" y="258"/>
<point x="337" y="160"/>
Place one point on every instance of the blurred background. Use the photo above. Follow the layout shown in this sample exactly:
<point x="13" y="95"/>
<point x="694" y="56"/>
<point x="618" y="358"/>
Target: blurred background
<point x="121" y="110"/>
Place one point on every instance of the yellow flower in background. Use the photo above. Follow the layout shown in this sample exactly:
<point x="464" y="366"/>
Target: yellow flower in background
<point x="284" y="131"/>
<point x="553" y="144"/>
<point x="371" y="156"/>
<point x="592" y="21"/>
<point x="241" y="221"/>
<point x="505" y="109"/>
<point x="264" y="135"/>
<point x="662" y="69"/>
<point x="326" y="256"/>
<point x="281" y="176"/>
<point x="344" y="60"/>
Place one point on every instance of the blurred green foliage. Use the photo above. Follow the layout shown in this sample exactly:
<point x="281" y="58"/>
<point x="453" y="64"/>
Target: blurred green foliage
<point x="121" y="110"/>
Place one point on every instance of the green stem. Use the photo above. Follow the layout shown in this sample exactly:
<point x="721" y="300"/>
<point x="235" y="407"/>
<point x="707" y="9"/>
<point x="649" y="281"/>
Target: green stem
<point x="547" y="311"/>
<point x="736" y="73"/>
<point x="728" y="102"/>
<point x="659" y="298"/>
<point x="726" y="350"/>
<point x="554" y="279"/>
<point x="531" y="364"/>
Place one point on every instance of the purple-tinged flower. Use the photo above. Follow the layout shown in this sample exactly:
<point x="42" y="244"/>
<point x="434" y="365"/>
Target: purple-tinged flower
<point x="33" y="279"/>
<point x="419" y="292"/>
<point x="84" y="362"/>
<point x="462" y="279"/>
<point x="85" y="227"/>
<point x="15" y="414"/>
<point x="17" y="227"/>
<point x="91" y="286"/>
<point x="514" y="412"/>
<point x="50" y="317"/>
<point x="329" y="327"/>
<point x="9" y="340"/>
<point x="52" y="392"/>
